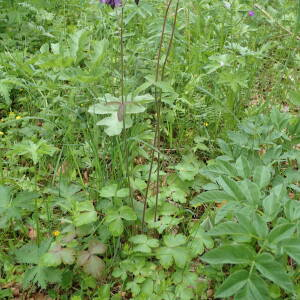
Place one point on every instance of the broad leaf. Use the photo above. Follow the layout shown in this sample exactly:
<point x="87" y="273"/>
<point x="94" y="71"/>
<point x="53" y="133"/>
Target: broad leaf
<point x="232" y="284"/>
<point x="274" y="271"/>
<point x="262" y="176"/>
<point x="255" y="288"/>
<point x="230" y="254"/>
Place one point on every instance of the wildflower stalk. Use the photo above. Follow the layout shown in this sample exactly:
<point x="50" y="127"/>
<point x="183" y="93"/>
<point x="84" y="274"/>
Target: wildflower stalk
<point x="126" y="152"/>
<point x="159" y="108"/>
<point x="155" y="142"/>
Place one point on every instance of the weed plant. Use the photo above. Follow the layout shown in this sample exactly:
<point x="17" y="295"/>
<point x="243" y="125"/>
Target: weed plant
<point x="149" y="149"/>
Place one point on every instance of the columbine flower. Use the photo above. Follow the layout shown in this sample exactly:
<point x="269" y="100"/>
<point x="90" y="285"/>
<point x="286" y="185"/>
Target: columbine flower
<point x="112" y="3"/>
<point x="251" y="13"/>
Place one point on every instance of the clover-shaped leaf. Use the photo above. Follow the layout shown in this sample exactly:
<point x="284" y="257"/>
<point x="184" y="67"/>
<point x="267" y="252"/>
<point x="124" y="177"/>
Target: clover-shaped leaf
<point x="91" y="263"/>
<point x="114" y="219"/>
<point x="58" y="255"/>
<point x="143" y="243"/>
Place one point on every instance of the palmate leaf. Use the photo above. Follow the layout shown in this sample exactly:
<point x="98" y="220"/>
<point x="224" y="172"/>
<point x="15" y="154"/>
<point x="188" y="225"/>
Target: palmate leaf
<point x="174" y="251"/>
<point x="41" y="275"/>
<point x="31" y="253"/>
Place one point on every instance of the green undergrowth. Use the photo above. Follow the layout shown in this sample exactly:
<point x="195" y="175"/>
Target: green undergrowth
<point x="80" y="153"/>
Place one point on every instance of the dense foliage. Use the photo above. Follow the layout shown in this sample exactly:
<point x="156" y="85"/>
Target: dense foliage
<point x="149" y="149"/>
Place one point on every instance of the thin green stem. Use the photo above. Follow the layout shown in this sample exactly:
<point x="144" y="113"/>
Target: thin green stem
<point x="156" y="102"/>
<point x="159" y="109"/>
<point x="126" y="147"/>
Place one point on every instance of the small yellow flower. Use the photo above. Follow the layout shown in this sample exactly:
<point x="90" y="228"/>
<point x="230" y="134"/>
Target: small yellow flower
<point x="56" y="233"/>
<point x="205" y="124"/>
<point x="18" y="117"/>
<point x="81" y="104"/>
<point x="1" y="133"/>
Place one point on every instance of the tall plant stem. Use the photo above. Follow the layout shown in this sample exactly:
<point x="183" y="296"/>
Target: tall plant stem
<point x="126" y="147"/>
<point x="156" y="102"/>
<point x="159" y="108"/>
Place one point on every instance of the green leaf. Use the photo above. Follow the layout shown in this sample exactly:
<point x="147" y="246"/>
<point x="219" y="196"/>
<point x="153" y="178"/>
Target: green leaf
<point x="294" y="97"/>
<point x="232" y="284"/>
<point x="166" y="255"/>
<point x="272" y="203"/>
<point x="232" y="188"/>
<point x="85" y="213"/>
<point x="98" y="56"/>
<point x="255" y="288"/>
<point x="188" y="168"/>
<point x="292" y="248"/>
<point x="127" y="213"/>
<point x="58" y="255"/>
<point x="109" y="191"/>
<point x="262" y="176"/>
<point x="274" y="271"/>
<point x="31" y="253"/>
<point x="113" y="125"/>
<point x="230" y="254"/>
<point x="211" y="197"/>
<point x="116" y="227"/>
<point x="42" y="276"/>
<point x="228" y="228"/>
<point x="243" y="167"/>
<point x="174" y="240"/>
<point x="260" y="225"/>
<point x="281" y="232"/>
<point x="252" y="192"/>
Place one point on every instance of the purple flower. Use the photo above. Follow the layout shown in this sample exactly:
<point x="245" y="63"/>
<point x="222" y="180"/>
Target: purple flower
<point x="251" y="13"/>
<point x="112" y="3"/>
